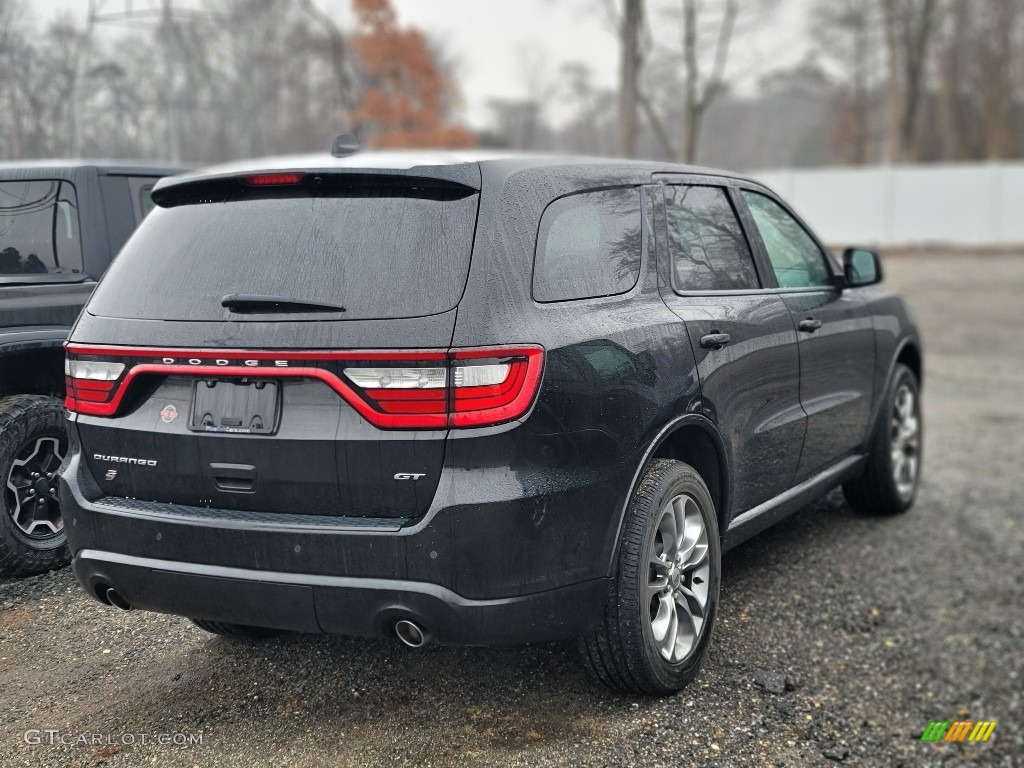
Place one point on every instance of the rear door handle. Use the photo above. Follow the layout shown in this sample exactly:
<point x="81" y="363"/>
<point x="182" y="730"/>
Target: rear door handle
<point x="810" y="325"/>
<point x="715" y="340"/>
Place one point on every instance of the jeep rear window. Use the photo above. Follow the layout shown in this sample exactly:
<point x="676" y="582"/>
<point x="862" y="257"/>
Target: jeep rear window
<point x="380" y="252"/>
<point x="39" y="229"/>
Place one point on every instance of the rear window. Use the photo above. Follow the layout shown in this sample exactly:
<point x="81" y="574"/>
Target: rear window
<point x="380" y="253"/>
<point x="39" y="229"/>
<point x="588" y="246"/>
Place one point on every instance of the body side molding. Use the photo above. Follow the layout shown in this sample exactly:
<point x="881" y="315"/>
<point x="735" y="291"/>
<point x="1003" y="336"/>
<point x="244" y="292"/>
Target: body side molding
<point x="764" y="515"/>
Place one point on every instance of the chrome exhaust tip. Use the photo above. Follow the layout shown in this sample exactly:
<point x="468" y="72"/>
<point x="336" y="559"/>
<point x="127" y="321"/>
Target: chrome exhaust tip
<point x="117" y="600"/>
<point x="411" y="633"/>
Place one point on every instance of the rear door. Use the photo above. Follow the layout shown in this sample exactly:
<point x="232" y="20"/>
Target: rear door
<point x="326" y="396"/>
<point x="837" y="343"/>
<point x="742" y="338"/>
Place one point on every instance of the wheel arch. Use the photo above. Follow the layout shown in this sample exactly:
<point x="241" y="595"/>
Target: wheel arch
<point x="909" y="354"/>
<point x="694" y="440"/>
<point x="32" y="361"/>
<point x="37" y="370"/>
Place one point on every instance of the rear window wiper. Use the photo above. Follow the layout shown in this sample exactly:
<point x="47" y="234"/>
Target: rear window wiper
<point x="245" y="302"/>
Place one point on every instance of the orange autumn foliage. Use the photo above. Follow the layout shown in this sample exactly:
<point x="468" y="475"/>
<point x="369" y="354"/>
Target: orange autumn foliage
<point x="406" y="94"/>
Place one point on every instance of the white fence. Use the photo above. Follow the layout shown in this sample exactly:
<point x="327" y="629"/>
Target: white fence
<point x="969" y="204"/>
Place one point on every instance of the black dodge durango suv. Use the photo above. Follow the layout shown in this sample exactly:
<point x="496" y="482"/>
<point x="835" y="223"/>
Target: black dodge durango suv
<point x="473" y="399"/>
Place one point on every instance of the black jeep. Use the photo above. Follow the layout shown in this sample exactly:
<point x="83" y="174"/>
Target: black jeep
<point x="61" y="223"/>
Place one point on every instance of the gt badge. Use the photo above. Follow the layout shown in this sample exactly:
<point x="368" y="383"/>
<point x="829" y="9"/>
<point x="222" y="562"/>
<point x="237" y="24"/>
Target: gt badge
<point x="168" y="414"/>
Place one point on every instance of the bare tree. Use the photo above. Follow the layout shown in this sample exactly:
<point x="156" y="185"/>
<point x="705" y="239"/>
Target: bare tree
<point x="630" y="31"/>
<point x="847" y="34"/>
<point x="909" y="28"/>
<point x="702" y="89"/>
<point x="999" y="71"/>
<point x="339" y="57"/>
<point x="592" y="122"/>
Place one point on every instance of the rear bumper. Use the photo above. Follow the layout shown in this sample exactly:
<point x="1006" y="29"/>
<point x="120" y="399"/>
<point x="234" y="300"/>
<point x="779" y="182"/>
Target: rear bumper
<point x="338" y="605"/>
<point x="504" y="571"/>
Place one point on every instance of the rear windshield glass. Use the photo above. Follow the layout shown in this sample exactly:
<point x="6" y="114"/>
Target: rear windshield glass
<point x="38" y="229"/>
<point x="377" y="256"/>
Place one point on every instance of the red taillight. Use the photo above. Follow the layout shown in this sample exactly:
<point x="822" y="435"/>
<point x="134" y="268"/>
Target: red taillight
<point x="90" y="381"/>
<point x="479" y="387"/>
<point x="396" y="389"/>
<point x="499" y="384"/>
<point x="273" y="179"/>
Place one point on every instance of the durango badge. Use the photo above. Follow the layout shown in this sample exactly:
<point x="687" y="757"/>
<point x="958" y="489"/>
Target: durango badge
<point x="125" y="460"/>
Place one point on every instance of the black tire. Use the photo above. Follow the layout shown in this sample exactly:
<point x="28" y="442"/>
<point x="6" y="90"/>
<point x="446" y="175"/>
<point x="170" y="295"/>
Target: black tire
<point x="623" y="652"/>
<point x="31" y="426"/>
<point x="876" y="491"/>
<point x="236" y="630"/>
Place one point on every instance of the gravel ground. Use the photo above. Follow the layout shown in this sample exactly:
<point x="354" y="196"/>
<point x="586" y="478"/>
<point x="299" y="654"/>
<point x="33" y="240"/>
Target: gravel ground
<point x="839" y="638"/>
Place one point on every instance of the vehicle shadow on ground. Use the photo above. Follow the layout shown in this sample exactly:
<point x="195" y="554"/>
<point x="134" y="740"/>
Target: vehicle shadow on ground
<point x="504" y="697"/>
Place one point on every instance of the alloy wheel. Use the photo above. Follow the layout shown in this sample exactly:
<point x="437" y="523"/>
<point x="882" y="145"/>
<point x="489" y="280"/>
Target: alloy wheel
<point x="678" y="578"/>
<point x="904" y="441"/>
<point x="32" y="489"/>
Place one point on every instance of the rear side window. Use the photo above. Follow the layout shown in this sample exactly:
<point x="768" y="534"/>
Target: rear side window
<point x="709" y="250"/>
<point x="386" y="252"/>
<point x="588" y="246"/>
<point x="39" y="228"/>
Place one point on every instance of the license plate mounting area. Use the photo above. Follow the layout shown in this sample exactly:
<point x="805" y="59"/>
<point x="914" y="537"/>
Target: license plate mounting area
<point x="239" y="406"/>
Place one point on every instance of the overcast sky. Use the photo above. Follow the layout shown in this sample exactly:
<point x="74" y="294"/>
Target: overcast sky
<point x="494" y="41"/>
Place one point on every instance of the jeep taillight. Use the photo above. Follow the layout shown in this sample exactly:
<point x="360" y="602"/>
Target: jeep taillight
<point x="391" y="389"/>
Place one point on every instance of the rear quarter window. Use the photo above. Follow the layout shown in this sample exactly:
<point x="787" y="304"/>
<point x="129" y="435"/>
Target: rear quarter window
<point x="588" y="245"/>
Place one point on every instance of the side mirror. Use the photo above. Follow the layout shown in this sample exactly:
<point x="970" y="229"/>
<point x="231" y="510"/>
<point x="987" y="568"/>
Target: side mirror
<point x="861" y="267"/>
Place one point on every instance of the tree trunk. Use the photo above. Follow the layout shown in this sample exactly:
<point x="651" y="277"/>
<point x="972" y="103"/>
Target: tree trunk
<point x="861" y="96"/>
<point x="691" y="121"/>
<point x="919" y="35"/>
<point x="699" y="96"/>
<point x="997" y="87"/>
<point x="953" y="73"/>
<point x="629" y="73"/>
<point x="893" y="90"/>
<point x="909" y="28"/>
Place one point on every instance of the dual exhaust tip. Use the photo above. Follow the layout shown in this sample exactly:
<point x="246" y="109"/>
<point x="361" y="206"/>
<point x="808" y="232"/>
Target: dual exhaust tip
<point x="111" y="596"/>
<point x="411" y="633"/>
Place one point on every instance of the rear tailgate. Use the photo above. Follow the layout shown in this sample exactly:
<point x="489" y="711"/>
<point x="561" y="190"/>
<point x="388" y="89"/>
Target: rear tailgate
<point x="278" y="407"/>
<point x="251" y="435"/>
